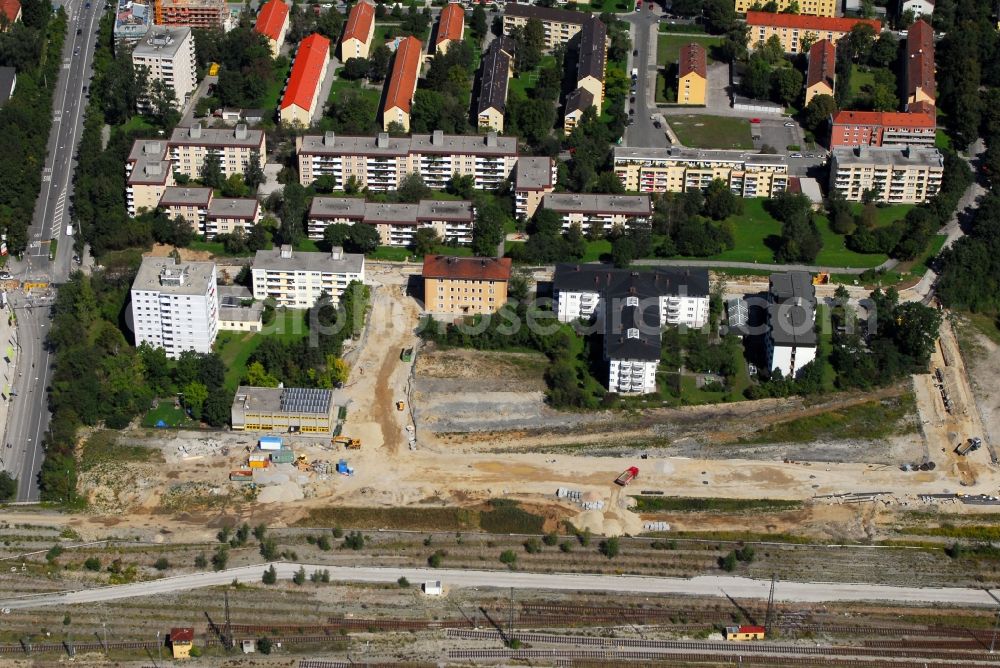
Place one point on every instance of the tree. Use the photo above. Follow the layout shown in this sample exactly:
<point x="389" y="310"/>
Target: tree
<point x="478" y="22"/>
<point x="337" y="234"/>
<point x="220" y="558"/>
<point x="195" y="394"/>
<point x="412" y="188"/>
<point x="234" y="186"/>
<point x="8" y="486"/>
<point x="756" y="81"/>
<point x="818" y="111"/>
<point x="257" y="376"/>
<point x="293" y="213"/>
<point x="720" y="16"/>
<point x="860" y="42"/>
<point x="363" y="238"/>
<point x="610" y="548"/>
<point x="786" y="83"/>
<point x="355" y="68"/>
<point x="300" y="576"/>
<point x="772" y="51"/>
<point x="171" y="231"/>
<point x="211" y="170"/>
<point x="885" y="50"/>
<point x="623" y="251"/>
<point x="268" y="548"/>
<point x="270" y="575"/>
<point x="487" y="231"/>
<point x="463" y="185"/>
<point x="720" y="202"/>
<point x="264" y="645"/>
<point x="425" y="240"/>
<point x="253" y="175"/>
<point x="378" y="63"/>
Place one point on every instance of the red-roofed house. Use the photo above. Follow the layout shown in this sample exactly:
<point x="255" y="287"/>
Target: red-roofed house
<point x="882" y="128"/>
<point x="821" y="77"/>
<point x="10" y="12"/>
<point x="692" y="74"/>
<point x="272" y="23"/>
<point x="919" y="72"/>
<point x="403" y="83"/>
<point x="745" y="632"/>
<point x="465" y="285"/>
<point x="181" y="642"/>
<point x="451" y="27"/>
<point x="305" y="80"/>
<point x="791" y="29"/>
<point x="357" y="39"/>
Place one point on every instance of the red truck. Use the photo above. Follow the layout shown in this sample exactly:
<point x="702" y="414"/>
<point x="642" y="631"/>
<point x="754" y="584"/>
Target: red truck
<point x="627" y="476"/>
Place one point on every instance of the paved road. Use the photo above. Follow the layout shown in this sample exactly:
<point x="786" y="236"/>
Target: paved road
<point x="643" y="27"/>
<point x="736" y="587"/>
<point x="28" y="416"/>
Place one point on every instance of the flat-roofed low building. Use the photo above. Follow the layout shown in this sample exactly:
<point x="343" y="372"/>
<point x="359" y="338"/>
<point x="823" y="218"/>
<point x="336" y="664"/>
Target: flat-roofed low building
<point x="577" y="102"/>
<point x="305" y="82"/>
<point x="272" y="23"/>
<point x="534" y="177"/>
<point x="402" y="83"/>
<point x="821" y="74"/>
<point x="450" y="28"/>
<point x="189" y="146"/>
<point x="132" y="21"/>
<point x="495" y="72"/>
<point x="598" y="214"/>
<point x="692" y="74"/>
<point x="357" y="39"/>
<point x="810" y="7"/>
<point x="465" y="285"/>
<point x="790" y="342"/>
<point x="188" y="203"/>
<point x="226" y="215"/>
<point x="396" y="223"/>
<point x="560" y="25"/>
<point x="283" y="409"/>
<point x="382" y="162"/>
<point x="175" y="305"/>
<point x="907" y="175"/>
<point x="208" y="14"/>
<point x="297" y="279"/>
<point x="238" y="312"/>
<point x="659" y="170"/>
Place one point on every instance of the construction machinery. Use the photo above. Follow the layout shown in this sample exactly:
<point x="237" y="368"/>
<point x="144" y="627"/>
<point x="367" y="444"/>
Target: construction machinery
<point x="627" y="476"/>
<point x="822" y="278"/>
<point x="347" y="442"/>
<point x="302" y="463"/>
<point x="400" y="405"/>
<point x="406" y="354"/>
<point x="971" y="445"/>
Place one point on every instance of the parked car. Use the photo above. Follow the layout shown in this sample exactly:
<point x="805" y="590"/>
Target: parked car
<point x="635" y="52"/>
<point x="632" y="99"/>
<point x="755" y="120"/>
<point x="656" y="124"/>
<point x="795" y="155"/>
<point x="789" y="124"/>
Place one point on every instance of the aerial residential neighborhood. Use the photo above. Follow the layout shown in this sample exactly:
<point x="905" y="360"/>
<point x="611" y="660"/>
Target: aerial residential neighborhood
<point x="453" y="333"/>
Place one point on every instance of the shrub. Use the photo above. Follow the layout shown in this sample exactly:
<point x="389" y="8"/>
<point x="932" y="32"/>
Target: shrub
<point x="728" y="562"/>
<point x="300" y="576"/>
<point x="259" y="532"/>
<point x="67" y="620"/>
<point x="53" y="553"/>
<point x="550" y="539"/>
<point x="269" y="549"/>
<point x="161" y="564"/>
<point x="354" y="540"/>
<point x="403" y="583"/>
<point x="609" y="548"/>
<point x="220" y="558"/>
<point x="532" y="546"/>
<point x="270" y="576"/>
<point x="508" y="557"/>
<point x="434" y="561"/>
<point x="583" y="537"/>
<point x="264" y="645"/>
<point x="565" y="546"/>
<point x="92" y="564"/>
<point x="323" y="542"/>
<point x="337" y="532"/>
<point x="200" y="561"/>
<point x="745" y="553"/>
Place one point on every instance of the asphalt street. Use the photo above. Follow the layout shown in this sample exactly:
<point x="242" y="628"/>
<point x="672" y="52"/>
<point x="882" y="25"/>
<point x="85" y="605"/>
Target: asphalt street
<point x="29" y="416"/>
<point x="643" y="24"/>
<point x="735" y="587"/>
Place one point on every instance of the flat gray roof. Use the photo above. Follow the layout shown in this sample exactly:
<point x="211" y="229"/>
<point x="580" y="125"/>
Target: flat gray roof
<point x="147" y="148"/>
<point x="251" y="313"/>
<point x="163" y="274"/>
<point x="637" y="205"/>
<point x="337" y="207"/>
<point x="153" y="171"/>
<point x="292" y="400"/>
<point x="196" y="135"/>
<point x="349" y="263"/>
<point x="697" y="155"/>
<point x="161" y="41"/>
<point x="390" y="212"/>
<point x="905" y="156"/>
<point x="185" y="196"/>
<point x="384" y="145"/>
<point x="233" y="207"/>
<point x="533" y="173"/>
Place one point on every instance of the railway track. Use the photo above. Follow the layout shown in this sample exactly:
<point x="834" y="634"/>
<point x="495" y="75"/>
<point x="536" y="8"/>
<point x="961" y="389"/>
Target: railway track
<point x="44" y="648"/>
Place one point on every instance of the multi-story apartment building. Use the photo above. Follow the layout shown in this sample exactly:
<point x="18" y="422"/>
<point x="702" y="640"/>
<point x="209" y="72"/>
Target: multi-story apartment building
<point x="882" y="128"/>
<point x="907" y="175"/>
<point x="692" y="74"/>
<point x="168" y="56"/>
<point x="577" y="102"/>
<point x="381" y="162"/>
<point x="465" y="285"/>
<point x="357" y="39"/>
<point x="658" y="170"/>
<point x="918" y="7"/>
<point x="792" y="29"/>
<point x="272" y="23"/>
<point x="175" y="305"/>
<point x="192" y="13"/>
<point x="147" y="175"/>
<point x="534" y="177"/>
<point x="189" y="203"/>
<point x="821" y="75"/>
<point x="226" y="215"/>
<point x="450" y="27"/>
<point x="790" y="342"/>
<point x="10" y="13"/>
<point x="496" y="69"/>
<point x="401" y="85"/>
<point x="396" y="223"/>
<point x="592" y="58"/>
<point x="132" y="21"/>
<point x="188" y="147"/>
<point x="598" y="214"/>
<point x="811" y="7"/>
<point x="919" y="71"/>
<point x="301" y="98"/>
<point x="296" y="280"/>
<point x="560" y="25"/>
<point x="631" y="308"/>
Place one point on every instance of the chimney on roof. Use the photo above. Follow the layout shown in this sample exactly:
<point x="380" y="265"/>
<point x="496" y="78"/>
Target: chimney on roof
<point x="382" y="140"/>
<point x="151" y="148"/>
<point x="337" y="253"/>
<point x="153" y="169"/>
<point x="241" y="131"/>
<point x="437" y="139"/>
<point x="195" y="131"/>
<point x="329" y="137"/>
<point x="286" y="251"/>
<point x="491" y="138"/>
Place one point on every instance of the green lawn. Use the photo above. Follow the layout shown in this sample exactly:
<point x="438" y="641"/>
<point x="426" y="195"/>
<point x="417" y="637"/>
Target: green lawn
<point x="668" y="45"/>
<point x="135" y="124"/>
<point x="270" y="100"/>
<point x="340" y="85"/>
<point x="705" y="131"/>
<point x="885" y="215"/>
<point x="610" y="6"/>
<point x="942" y="140"/>
<point x="860" y="78"/>
<point x="665" y="92"/>
<point x="235" y="348"/>
<point x="166" y="411"/>
<point x="525" y="81"/>
<point x="403" y="254"/>
<point x="595" y="249"/>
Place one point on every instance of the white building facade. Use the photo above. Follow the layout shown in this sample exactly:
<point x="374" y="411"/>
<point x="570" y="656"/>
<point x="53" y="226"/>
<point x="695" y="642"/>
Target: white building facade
<point x="297" y="280"/>
<point x="175" y="306"/>
<point x="168" y="55"/>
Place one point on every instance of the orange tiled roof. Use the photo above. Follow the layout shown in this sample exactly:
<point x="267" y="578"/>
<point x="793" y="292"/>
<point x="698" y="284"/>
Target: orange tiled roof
<point x="10" y="9"/>
<point x="451" y="23"/>
<point x="359" y="23"/>
<point x="272" y="18"/>
<point x="893" y="119"/>
<point x="920" y="59"/>
<point x="822" y="63"/>
<point x="306" y="72"/>
<point x="691" y="58"/>
<point x="803" y="22"/>
<point x="405" y="72"/>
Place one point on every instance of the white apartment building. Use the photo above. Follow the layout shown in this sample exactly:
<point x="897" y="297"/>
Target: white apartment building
<point x="598" y="214"/>
<point x="296" y="280"/>
<point x="191" y="204"/>
<point x="168" y="55"/>
<point x="632" y="307"/>
<point x="534" y="177"/>
<point x="907" y="175"/>
<point x="396" y="223"/>
<point x="659" y="170"/>
<point x="381" y="162"/>
<point x="790" y="342"/>
<point x="560" y="25"/>
<point x="188" y="148"/>
<point x="147" y="176"/>
<point x="175" y="305"/>
<point x="226" y="215"/>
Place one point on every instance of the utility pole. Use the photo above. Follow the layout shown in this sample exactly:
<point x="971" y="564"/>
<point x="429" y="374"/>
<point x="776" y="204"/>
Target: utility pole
<point x="159" y="648"/>
<point x="770" y="608"/>
<point x="995" y="625"/>
<point x="227" y="636"/>
<point x="510" y="617"/>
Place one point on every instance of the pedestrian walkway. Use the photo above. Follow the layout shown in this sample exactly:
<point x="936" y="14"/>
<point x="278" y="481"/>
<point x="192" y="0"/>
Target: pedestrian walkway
<point x="8" y="367"/>
<point x="714" y="264"/>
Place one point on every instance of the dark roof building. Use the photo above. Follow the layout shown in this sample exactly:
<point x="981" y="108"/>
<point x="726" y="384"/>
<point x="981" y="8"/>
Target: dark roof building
<point x="467" y="268"/>
<point x="593" y="49"/>
<point x="493" y="80"/>
<point x="792" y="309"/>
<point x="579" y="100"/>
<point x="600" y="278"/>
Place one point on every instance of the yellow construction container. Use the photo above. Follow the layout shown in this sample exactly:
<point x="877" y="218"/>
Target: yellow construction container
<point x="259" y="464"/>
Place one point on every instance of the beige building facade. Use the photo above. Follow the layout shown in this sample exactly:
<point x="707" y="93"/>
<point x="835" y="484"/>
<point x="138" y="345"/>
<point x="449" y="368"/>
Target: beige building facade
<point x="656" y="170"/>
<point x="907" y="175"/>
<point x="465" y="285"/>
